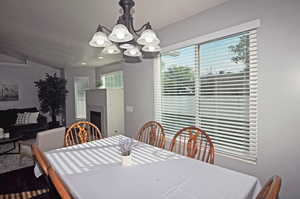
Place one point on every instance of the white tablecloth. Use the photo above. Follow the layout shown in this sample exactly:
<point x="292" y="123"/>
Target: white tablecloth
<point x="93" y="170"/>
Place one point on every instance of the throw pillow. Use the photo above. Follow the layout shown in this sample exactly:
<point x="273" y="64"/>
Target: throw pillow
<point x="19" y="118"/>
<point x="33" y="118"/>
<point x="27" y="118"/>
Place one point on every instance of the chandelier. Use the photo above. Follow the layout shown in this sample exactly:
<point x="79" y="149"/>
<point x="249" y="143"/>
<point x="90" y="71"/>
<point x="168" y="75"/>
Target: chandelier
<point x="134" y="44"/>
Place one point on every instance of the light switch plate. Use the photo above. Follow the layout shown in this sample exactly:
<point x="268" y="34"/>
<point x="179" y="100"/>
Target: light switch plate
<point x="129" y="109"/>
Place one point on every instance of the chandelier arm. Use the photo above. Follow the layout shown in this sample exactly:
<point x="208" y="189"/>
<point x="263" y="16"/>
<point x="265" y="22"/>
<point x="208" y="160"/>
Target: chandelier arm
<point x="144" y="27"/>
<point x="133" y="30"/>
<point x="101" y="28"/>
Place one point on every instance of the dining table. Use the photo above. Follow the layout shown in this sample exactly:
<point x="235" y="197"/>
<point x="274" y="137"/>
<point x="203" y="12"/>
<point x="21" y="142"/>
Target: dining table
<point x="94" y="170"/>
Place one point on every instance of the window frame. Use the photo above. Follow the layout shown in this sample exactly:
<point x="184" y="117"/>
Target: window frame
<point x="102" y="78"/>
<point x="255" y="24"/>
<point x="75" y="95"/>
<point x="215" y="35"/>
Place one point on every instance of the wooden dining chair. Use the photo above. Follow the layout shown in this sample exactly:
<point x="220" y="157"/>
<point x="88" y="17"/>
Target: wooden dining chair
<point x="40" y="159"/>
<point x="82" y="132"/>
<point x="271" y="189"/>
<point x="194" y="143"/>
<point x="59" y="185"/>
<point x="152" y="133"/>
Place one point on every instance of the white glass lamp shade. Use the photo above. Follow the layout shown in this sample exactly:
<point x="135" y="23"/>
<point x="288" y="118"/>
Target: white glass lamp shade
<point x="133" y="52"/>
<point x="151" y="48"/>
<point x="120" y="34"/>
<point x="148" y="37"/>
<point x="112" y="49"/>
<point x="126" y="46"/>
<point x="100" y="40"/>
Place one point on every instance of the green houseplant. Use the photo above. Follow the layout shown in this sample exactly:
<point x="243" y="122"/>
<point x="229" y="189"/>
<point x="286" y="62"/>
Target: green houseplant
<point x="52" y="96"/>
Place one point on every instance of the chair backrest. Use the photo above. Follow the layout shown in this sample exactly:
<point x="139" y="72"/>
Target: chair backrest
<point x="51" y="139"/>
<point x="194" y="143"/>
<point x="152" y="133"/>
<point x="81" y="132"/>
<point x="59" y="185"/>
<point x="40" y="158"/>
<point x="271" y="189"/>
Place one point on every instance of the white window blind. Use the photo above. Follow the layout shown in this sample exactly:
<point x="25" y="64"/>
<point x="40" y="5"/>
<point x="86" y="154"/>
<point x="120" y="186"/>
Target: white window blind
<point x="213" y="86"/>
<point x="175" y="101"/>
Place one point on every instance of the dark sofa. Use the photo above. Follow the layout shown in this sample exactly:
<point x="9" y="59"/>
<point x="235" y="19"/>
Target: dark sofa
<point x="8" y="119"/>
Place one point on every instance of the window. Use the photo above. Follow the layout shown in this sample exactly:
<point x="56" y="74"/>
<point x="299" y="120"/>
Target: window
<point x="212" y="85"/>
<point x="81" y="84"/>
<point x="112" y="80"/>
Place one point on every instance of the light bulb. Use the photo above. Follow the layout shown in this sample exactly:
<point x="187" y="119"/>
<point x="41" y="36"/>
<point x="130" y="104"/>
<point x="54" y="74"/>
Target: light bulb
<point x="133" y="51"/>
<point x="151" y="48"/>
<point x="120" y="35"/>
<point x="100" y="42"/>
<point x="126" y="46"/>
<point x="149" y="39"/>
<point x="110" y="51"/>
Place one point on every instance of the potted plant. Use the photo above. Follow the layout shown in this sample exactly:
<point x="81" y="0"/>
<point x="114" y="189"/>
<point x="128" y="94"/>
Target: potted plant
<point x="52" y="96"/>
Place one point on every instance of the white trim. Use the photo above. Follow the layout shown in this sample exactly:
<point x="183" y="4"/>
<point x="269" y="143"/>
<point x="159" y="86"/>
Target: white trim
<point x="76" y="78"/>
<point x="215" y="35"/>
<point x="103" y="75"/>
<point x="112" y="72"/>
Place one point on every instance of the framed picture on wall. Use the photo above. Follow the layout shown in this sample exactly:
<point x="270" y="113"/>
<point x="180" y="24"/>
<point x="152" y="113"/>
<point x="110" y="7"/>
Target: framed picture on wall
<point x="9" y="92"/>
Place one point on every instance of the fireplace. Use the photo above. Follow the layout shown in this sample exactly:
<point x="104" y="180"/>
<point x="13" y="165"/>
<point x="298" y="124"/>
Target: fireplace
<point x="105" y="108"/>
<point x="95" y="118"/>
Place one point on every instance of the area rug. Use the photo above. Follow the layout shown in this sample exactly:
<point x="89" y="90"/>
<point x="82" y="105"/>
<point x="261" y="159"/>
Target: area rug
<point x="22" y="184"/>
<point x="12" y="162"/>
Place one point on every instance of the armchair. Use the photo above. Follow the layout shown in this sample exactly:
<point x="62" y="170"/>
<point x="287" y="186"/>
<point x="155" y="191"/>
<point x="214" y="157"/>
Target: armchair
<point x="45" y="140"/>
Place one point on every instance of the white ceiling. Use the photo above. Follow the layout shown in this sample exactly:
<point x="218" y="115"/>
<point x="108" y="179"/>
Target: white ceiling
<point x="56" y="32"/>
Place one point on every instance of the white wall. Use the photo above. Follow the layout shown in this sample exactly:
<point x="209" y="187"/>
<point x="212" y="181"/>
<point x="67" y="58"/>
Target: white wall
<point x="138" y="90"/>
<point x="70" y="73"/>
<point x="279" y="83"/>
<point x="24" y="77"/>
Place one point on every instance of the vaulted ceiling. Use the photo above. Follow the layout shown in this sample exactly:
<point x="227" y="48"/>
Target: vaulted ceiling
<point x="56" y="32"/>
